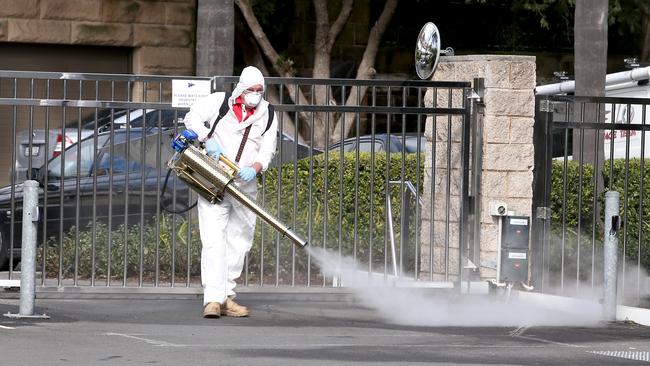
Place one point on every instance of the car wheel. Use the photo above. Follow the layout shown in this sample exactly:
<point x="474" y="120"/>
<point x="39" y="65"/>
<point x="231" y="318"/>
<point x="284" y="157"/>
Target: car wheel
<point x="4" y="252"/>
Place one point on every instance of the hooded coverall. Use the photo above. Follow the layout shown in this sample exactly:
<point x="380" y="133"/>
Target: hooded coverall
<point x="227" y="228"/>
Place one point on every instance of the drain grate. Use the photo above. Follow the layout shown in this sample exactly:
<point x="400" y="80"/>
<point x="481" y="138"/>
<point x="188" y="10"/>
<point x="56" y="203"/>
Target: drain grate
<point x="630" y="355"/>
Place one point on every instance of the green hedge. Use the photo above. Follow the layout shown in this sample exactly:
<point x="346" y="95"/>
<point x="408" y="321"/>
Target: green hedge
<point x="263" y="265"/>
<point x="573" y="187"/>
<point x="143" y="245"/>
<point x="630" y="199"/>
<point x="364" y="240"/>
<point x="271" y="254"/>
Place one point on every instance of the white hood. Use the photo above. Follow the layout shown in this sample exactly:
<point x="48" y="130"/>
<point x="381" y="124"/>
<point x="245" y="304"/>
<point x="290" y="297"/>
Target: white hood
<point x="250" y="76"/>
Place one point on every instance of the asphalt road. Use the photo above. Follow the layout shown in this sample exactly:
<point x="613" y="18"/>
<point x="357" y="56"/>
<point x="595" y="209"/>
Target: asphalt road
<point x="285" y="331"/>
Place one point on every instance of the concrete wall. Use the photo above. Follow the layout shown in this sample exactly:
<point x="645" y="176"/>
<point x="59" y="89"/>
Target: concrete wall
<point x="161" y="33"/>
<point x="507" y="156"/>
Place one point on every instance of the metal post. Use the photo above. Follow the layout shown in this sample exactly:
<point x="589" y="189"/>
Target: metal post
<point x="612" y="224"/>
<point x="28" y="252"/>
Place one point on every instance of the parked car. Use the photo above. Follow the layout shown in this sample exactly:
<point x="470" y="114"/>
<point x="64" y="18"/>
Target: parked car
<point x="120" y="177"/>
<point x="36" y="151"/>
<point x="93" y="183"/>
<point x="364" y="143"/>
<point x="289" y="150"/>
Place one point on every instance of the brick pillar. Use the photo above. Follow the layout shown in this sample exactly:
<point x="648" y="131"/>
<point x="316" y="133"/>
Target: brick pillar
<point x="507" y="157"/>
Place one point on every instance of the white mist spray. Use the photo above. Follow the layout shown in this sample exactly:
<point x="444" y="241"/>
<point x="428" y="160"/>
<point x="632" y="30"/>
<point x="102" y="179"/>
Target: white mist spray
<point x="400" y="302"/>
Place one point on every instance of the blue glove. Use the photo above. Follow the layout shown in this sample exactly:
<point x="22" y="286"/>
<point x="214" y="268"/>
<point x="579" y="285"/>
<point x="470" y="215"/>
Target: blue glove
<point x="247" y="174"/>
<point x="183" y="140"/>
<point x="213" y="148"/>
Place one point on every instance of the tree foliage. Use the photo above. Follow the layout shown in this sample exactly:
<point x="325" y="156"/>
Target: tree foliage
<point x="627" y="19"/>
<point x="328" y="27"/>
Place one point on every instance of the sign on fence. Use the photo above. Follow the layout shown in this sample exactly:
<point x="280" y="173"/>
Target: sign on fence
<point x="185" y="92"/>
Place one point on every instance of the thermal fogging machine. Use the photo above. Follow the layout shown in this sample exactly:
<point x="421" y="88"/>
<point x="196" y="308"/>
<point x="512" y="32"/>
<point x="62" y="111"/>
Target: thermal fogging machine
<point x="209" y="179"/>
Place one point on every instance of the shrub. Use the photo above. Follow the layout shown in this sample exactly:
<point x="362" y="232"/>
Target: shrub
<point x="634" y="207"/>
<point x="335" y="225"/>
<point x="569" y="222"/>
<point x="141" y="246"/>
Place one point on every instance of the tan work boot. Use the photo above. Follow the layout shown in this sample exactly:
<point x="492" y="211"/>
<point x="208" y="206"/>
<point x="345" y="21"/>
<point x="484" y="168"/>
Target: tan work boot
<point x="212" y="310"/>
<point x="231" y="308"/>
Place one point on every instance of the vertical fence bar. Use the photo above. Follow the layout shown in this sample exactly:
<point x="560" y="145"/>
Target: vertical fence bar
<point x="109" y="236"/>
<point x="94" y="199"/>
<point x="448" y="187"/>
<point x="434" y="138"/>
<point x="310" y="220"/>
<point x="371" y="215"/>
<point x="596" y="210"/>
<point x="61" y="187"/>
<point x="387" y="212"/>
<point x="357" y="156"/>
<point x="628" y="120"/>
<point x="641" y="197"/>
<point x="463" y="243"/>
<point x="326" y="178"/>
<point x="402" y="188"/>
<point x="279" y="206"/>
<point x="159" y="213"/>
<point x="295" y="185"/>
<point x="477" y="111"/>
<point x="77" y="188"/>
<point x="12" y="221"/>
<point x="142" y="186"/>
<point x="127" y="180"/>
<point x="341" y="136"/>
<point x="45" y="184"/>
<point x="418" y="177"/>
<point x="564" y="199"/>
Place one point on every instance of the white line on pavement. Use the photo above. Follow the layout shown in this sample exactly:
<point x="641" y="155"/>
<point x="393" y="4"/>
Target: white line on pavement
<point x="152" y="342"/>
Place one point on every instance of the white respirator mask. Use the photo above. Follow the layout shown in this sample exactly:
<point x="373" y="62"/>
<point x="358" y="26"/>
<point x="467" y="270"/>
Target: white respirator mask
<point x="252" y="99"/>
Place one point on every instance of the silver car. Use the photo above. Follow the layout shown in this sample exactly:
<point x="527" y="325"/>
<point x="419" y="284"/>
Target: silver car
<point x="32" y="152"/>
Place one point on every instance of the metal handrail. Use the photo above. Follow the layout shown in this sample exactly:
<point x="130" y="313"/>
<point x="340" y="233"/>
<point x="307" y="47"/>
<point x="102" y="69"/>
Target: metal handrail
<point x="408" y="185"/>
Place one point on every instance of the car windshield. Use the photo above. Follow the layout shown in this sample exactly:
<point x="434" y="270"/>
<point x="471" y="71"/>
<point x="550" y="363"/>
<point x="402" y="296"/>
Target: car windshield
<point x="129" y="157"/>
<point x="80" y="158"/>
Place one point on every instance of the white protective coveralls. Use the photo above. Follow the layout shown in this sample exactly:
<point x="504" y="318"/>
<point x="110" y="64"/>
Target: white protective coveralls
<point x="227" y="228"/>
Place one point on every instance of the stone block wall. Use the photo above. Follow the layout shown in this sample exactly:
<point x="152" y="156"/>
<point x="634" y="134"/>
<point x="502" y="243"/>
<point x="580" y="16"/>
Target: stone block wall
<point x="508" y="158"/>
<point x="161" y="33"/>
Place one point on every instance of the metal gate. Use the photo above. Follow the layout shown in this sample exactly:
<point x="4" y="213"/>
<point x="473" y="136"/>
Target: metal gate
<point x="98" y="144"/>
<point x="585" y="146"/>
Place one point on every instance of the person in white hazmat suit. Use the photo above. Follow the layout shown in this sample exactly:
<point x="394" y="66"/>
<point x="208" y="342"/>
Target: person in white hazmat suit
<point x="227" y="228"/>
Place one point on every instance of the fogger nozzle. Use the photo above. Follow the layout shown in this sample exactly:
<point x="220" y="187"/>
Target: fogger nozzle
<point x="204" y="175"/>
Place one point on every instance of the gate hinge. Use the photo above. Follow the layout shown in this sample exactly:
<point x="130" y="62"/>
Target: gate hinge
<point x="543" y="213"/>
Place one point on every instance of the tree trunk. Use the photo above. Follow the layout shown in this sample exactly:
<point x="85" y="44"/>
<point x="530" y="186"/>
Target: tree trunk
<point x="215" y="29"/>
<point x="645" y="49"/>
<point x="590" y="72"/>
<point x="324" y="40"/>
<point x="283" y="69"/>
<point x="366" y="69"/>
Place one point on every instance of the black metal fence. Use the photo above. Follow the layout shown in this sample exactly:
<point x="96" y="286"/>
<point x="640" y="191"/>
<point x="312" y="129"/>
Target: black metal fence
<point x="584" y="147"/>
<point x="98" y="145"/>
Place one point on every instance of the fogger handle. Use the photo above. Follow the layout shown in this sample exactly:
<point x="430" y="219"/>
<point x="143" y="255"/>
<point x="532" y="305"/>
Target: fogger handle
<point x="229" y="162"/>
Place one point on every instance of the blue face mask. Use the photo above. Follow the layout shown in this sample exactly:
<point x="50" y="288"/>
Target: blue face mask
<point x="252" y="99"/>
